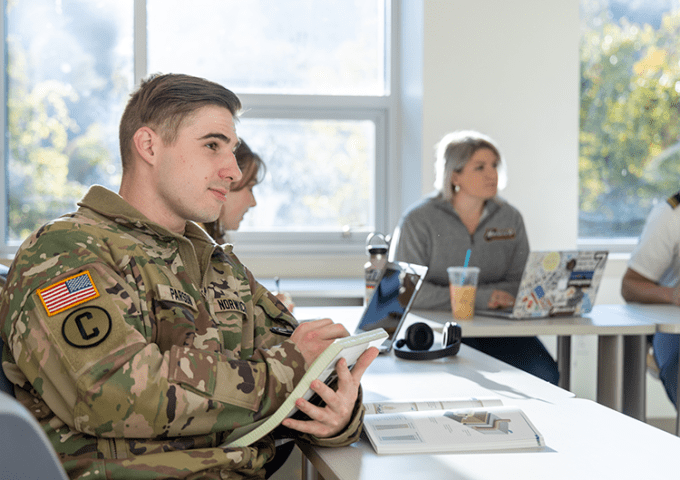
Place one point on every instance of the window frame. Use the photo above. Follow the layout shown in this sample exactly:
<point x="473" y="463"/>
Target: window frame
<point x="312" y="107"/>
<point x="621" y="245"/>
<point x="382" y="110"/>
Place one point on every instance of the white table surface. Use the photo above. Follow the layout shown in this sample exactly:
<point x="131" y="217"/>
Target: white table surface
<point x="665" y="317"/>
<point x="470" y="373"/>
<point x="621" y="370"/>
<point x="601" y="321"/>
<point x="584" y="440"/>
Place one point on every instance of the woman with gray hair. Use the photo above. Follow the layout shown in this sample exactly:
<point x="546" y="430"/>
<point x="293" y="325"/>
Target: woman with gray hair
<point x="465" y="213"/>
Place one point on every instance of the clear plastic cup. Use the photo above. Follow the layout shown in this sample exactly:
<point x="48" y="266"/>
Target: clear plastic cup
<point x="463" y="289"/>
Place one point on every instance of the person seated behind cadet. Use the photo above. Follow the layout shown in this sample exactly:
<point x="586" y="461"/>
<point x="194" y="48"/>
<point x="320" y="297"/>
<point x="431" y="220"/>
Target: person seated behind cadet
<point x="240" y="199"/>
<point x="117" y="334"/>
<point x="465" y="213"/>
<point x="653" y="276"/>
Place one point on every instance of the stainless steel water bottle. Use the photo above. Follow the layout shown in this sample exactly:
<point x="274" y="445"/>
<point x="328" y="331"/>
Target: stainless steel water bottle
<point x="376" y="247"/>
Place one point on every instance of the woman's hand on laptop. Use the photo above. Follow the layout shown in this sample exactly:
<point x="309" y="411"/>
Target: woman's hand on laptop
<point x="501" y="299"/>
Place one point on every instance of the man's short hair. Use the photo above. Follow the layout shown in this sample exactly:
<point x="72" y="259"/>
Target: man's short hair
<point x="164" y="102"/>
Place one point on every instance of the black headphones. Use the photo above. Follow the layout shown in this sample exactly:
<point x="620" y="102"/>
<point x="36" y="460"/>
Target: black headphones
<point x="419" y="338"/>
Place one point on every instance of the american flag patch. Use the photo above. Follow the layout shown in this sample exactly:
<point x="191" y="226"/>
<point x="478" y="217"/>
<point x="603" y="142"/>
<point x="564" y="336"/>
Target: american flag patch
<point x="68" y="293"/>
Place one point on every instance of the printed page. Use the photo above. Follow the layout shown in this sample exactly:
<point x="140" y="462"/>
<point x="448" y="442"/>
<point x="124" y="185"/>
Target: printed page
<point x="478" y="429"/>
<point x="423" y="405"/>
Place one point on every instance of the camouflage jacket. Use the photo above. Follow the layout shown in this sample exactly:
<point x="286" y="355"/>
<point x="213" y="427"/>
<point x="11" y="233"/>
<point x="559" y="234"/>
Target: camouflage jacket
<point x="139" y="349"/>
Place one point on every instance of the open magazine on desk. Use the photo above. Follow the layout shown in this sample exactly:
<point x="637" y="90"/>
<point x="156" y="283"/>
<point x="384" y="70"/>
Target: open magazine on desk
<point x="446" y="426"/>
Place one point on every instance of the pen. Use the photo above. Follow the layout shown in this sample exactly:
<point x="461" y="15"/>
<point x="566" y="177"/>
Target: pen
<point x="287" y="332"/>
<point x="281" y="331"/>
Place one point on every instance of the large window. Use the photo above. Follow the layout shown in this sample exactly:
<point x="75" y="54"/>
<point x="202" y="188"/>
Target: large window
<point x="314" y="78"/>
<point x="630" y="101"/>
<point x="68" y="73"/>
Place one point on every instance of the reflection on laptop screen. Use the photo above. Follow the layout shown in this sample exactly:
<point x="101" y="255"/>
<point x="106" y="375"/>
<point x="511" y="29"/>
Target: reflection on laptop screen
<point x="392" y="297"/>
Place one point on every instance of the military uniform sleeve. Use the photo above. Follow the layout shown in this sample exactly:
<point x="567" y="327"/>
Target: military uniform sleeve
<point x="286" y="364"/>
<point x="85" y="339"/>
<point x="272" y="310"/>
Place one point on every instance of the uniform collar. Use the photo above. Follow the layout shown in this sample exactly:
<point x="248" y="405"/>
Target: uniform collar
<point x="111" y="205"/>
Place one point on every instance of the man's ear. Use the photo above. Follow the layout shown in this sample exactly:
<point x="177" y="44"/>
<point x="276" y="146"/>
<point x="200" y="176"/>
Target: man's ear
<point x="147" y="143"/>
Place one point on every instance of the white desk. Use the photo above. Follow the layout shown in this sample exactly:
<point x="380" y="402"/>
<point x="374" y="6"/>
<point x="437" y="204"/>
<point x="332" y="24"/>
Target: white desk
<point x="621" y="374"/>
<point x="584" y="439"/>
<point x="468" y="371"/>
<point x="621" y="371"/>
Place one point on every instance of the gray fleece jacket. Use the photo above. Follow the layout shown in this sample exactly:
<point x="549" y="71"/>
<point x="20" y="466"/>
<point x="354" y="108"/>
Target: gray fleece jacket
<point x="431" y="233"/>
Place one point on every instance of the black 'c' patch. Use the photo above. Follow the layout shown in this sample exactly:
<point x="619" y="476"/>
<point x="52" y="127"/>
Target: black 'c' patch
<point x="86" y="327"/>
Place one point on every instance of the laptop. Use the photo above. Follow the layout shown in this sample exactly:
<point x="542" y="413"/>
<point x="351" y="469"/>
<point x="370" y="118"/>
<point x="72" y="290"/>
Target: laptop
<point x="392" y="300"/>
<point x="556" y="283"/>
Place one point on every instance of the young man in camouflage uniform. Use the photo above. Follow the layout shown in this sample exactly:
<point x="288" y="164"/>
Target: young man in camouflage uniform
<point x="136" y="341"/>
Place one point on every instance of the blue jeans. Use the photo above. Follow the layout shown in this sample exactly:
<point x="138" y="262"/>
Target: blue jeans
<point x="525" y="353"/>
<point x="666" y="353"/>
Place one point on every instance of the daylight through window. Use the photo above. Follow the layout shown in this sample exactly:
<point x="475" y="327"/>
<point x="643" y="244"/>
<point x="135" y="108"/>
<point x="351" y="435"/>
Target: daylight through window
<point x="630" y="97"/>
<point x="315" y="88"/>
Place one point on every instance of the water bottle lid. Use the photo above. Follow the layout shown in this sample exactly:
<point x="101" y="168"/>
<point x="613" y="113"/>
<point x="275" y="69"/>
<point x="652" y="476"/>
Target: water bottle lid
<point x="376" y="243"/>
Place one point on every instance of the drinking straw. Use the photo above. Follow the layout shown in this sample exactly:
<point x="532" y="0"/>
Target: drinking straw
<point x="467" y="260"/>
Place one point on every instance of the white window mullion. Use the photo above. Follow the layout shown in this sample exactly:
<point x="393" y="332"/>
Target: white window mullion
<point x="140" y="44"/>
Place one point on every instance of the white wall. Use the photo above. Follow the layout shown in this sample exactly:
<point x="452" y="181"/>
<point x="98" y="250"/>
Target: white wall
<point x="511" y="70"/>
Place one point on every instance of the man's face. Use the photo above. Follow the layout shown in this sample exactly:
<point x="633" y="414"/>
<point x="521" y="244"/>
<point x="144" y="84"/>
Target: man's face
<point x="195" y="172"/>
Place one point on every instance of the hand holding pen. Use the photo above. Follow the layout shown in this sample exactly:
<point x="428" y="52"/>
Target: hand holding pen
<point x="288" y="331"/>
<point x="314" y="336"/>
